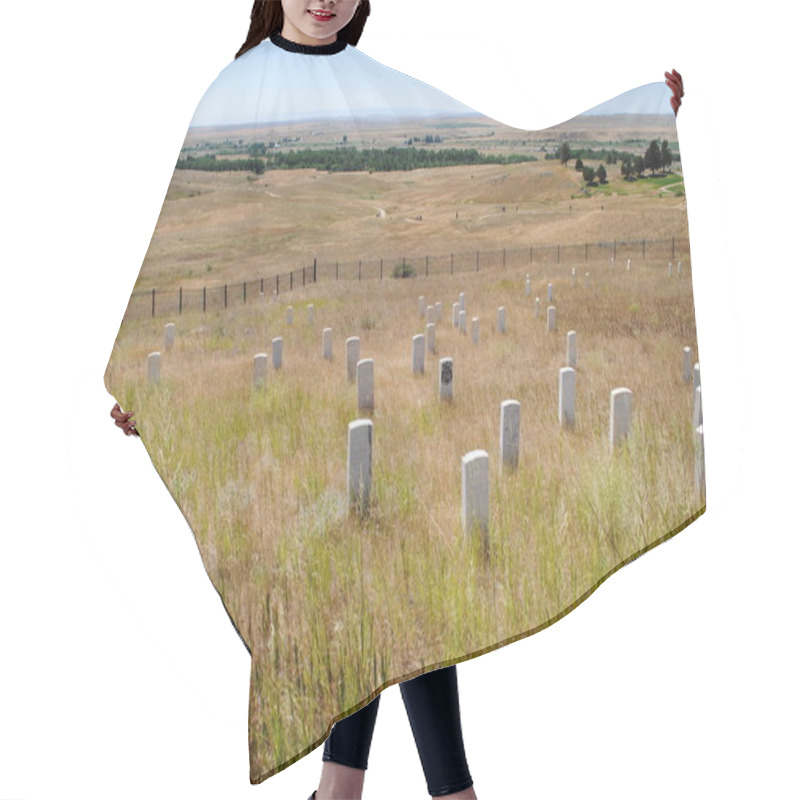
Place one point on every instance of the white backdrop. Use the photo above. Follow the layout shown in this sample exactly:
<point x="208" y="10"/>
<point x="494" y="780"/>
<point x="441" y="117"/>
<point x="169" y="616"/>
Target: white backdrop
<point x="120" y="674"/>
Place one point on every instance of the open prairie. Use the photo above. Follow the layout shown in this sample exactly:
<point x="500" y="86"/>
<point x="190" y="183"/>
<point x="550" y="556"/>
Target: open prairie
<point x="226" y="227"/>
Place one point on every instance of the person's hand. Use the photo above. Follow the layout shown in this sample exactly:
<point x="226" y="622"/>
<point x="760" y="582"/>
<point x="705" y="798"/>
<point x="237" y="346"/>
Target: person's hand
<point x="124" y="420"/>
<point x="675" y="82"/>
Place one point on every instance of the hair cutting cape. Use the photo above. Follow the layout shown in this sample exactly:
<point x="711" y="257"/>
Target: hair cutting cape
<point x="419" y="381"/>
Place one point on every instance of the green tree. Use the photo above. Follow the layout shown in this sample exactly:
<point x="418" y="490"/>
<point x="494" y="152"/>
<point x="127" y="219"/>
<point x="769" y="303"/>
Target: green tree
<point x="626" y="167"/>
<point x="652" y="158"/>
<point x="666" y="155"/>
<point x="564" y="153"/>
<point x="589" y="175"/>
<point x="639" y="165"/>
<point x="578" y="165"/>
<point x="601" y="174"/>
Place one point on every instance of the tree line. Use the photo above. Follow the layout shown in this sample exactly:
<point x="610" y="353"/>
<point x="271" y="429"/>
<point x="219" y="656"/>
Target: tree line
<point x="352" y="159"/>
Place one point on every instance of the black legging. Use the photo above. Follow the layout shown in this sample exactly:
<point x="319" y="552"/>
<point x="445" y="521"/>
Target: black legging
<point x="432" y="706"/>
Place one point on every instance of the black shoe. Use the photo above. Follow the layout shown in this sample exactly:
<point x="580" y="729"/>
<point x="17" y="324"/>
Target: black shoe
<point x="313" y="795"/>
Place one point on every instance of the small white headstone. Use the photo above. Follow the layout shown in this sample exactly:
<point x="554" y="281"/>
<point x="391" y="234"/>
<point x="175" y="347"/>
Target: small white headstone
<point x="438" y="311"/>
<point x="445" y="378"/>
<point x="509" y="433"/>
<point x="430" y="314"/>
<point x="277" y="352"/>
<point x="456" y="310"/>
<point x="327" y="343"/>
<point x="475" y="493"/>
<point x="430" y="336"/>
<point x="551" y="318"/>
<point x="169" y="336"/>
<point x="586" y="281"/>
<point x="697" y="416"/>
<point x="310" y="313"/>
<point x="462" y="322"/>
<point x="680" y="268"/>
<point x="289" y="315"/>
<point x="476" y="330"/>
<point x="501" y="319"/>
<point x="527" y="285"/>
<point x="259" y="370"/>
<point x="621" y="415"/>
<point x="549" y="292"/>
<point x="418" y="354"/>
<point x="572" y="349"/>
<point x="669" y="269"/>
<point x="566" y="397"/>
<point x="365" y="373"/>
<point x="687" y="364"/>
<point x="696" y="377"/>
<point x="353" y="345"/>
<point x="422" y="304"/>
<point x="699" y="465"/>
<point x="462" y="302"/>
<point x="154" y="367"/>
<point x="573" y="279"/>
<point x="628" y="266"/>
<point x="359" y="464"/>
<point x="537" y="308"/>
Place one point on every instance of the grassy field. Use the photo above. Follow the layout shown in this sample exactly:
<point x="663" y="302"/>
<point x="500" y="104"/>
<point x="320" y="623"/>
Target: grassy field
<point x="335" y="606"/>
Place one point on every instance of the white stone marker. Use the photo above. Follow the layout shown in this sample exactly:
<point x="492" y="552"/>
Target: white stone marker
<point x="699" y="465"/>
<point x="696" y="377"/>
<point x="154" y="367"/>
<point x="572" y="349"/>
<point x="169" y="336"/>
<point x="566" y="397"/>
<point x="551" y="318"/>
<point x="437" y="306"/>
<point x="259" y="369"/>
<point x="549" y="292"/>
<point x="353" y="345"/>
<point x="446" y="379"/>
<point x="687" y="364"/>
<point x="573" y="279"/>
<point x="421" y="305"/>
<point x="430" y="336"/>
<point x="509" y="433"/>
<point x="455" y="315"/>
<point x="359" y="464"/>
<point x="277" y="352"/>
<point x="365" y="374"/>
<point x="476" y="330"/>
<point x="697" y="416"/>
<point x="418" y="354"/>
<point x="527" y="285"/>
<point x="501" y="319"/>
<point x="621" y="415"/>
<point x="430" y="314"/>
<point x="680" y="268"/>
<point x="537" y="308"/>
<point x="289" y="315"/>
<point x="586" y="281"/>
<point x="462" y="302"/>
<point x="628" y="266"/>
<point x="669" y="269"/>
<point x="310" y="313"/>
<point x="327" y="343"/>
<point x="462" y="322"/>
<point x="475" y="492"/>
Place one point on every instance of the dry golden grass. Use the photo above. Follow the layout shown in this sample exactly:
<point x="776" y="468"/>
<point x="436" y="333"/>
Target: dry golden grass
<point x="335" y="606"/>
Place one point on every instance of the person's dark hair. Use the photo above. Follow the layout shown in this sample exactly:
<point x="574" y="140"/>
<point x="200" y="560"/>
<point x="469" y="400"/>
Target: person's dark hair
<point x="266" y="18"/>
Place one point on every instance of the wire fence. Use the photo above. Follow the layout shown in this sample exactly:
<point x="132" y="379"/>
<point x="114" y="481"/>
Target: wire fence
<point x="157" y="302"/>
